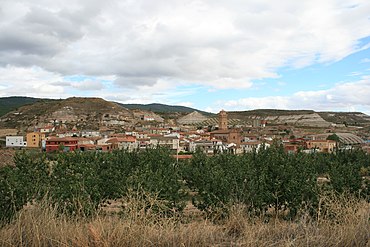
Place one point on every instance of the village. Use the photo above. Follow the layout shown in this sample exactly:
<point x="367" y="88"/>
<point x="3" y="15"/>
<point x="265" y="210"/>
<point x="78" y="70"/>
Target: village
<point x="184" y="139"/>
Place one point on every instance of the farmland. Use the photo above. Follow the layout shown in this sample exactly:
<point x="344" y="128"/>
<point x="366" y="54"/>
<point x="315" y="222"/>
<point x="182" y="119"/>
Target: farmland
<point x="259" y="198"/>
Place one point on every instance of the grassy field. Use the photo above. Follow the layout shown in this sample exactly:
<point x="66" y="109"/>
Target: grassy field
<point x="137" y="224"/>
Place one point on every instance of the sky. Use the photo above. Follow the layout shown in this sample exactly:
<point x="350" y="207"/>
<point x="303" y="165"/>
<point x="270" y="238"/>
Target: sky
<point x="209" y="55"/>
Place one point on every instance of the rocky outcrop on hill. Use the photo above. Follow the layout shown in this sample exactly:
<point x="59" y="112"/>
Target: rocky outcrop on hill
<point x="346" y="118"/>
<point x="89" y="113"/>
<point x="304" y="118"/>
<point x="148" y="116"/>
<point x="308" y="120"/>
<point x="192" y="118"/>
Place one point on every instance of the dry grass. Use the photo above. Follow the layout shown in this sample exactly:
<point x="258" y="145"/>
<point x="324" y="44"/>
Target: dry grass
<point x="347" y="224"/>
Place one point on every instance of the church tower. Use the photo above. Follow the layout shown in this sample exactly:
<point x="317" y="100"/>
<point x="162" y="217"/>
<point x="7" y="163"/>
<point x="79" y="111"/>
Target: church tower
<point x="222" y="120"/>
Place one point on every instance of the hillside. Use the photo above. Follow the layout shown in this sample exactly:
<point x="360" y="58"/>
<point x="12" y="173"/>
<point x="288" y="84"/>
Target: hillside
<point x="347" y="118"/>
<point x="9" y="104"/>
<point x="306" y="118"/>
<point x="88" y="113"/>
<point x="162" y="108"/>
<point x="95" y="112"/>
<point x="192" y="118"/>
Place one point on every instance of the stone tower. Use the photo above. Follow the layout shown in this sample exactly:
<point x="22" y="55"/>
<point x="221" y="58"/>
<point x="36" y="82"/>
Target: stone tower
<point x="222" y="120"/>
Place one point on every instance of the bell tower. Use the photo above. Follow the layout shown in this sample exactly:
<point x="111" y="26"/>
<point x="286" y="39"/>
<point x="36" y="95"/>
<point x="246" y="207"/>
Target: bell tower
<point x="222" y="120"/>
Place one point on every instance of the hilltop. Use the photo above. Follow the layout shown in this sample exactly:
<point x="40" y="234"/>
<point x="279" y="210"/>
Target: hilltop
<point x="24" y="112"/>
<point x="164" y="109"/>
<point x="8" y="104"/>
<point x="308" y="118"/>
<point x="80" y="112"/>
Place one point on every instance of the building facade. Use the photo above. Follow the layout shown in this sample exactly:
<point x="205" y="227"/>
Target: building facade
<point x="61" y="144"/>
<point x="222" y="118"/>
<point x="34" y="139"/>
<point x="325" y="146"/>
<point x="15" y="142"/>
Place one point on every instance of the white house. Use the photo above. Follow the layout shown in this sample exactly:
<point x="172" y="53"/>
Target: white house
<point x="47" y="129"/>
<point x="15" y="141"/>
<point x="90" y="133"/>
<point x="170" y="142"/>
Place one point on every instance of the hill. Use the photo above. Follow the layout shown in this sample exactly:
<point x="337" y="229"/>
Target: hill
<point x="8" y="104"/>
<point x="87" y="113"/>
<point x="162" y="108"/>
<point x="307" y="118"/>
<point x="192" y="118"/>
<point x="346" y="118"/>
<point x="20" y="112"/>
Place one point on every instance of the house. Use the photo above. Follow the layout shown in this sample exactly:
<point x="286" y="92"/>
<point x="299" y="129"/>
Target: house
<point x="90" y="133"/>
<point x="34" y="139"/>
<point x="105" y="147"/>
<point x="160" y="131"/>
<point x="259" y="123"/>
<point x="325" y="146"/>
<point x="207" y="146"/>
<point x="143" y="142"/>
<point x="291" y="148"/>
<point x="87" y="147"/>
<point x="47" y="129"/>
<point x="204" y="145"/>
<point x="15" y="142"/>
<point x="227" y="136"/>
<point x="128" y="143"/>
<point x="170" y="142"/>
<point x="147" y="118"/>
<point x="249" y="146"/>
<point x="64" y="144"/>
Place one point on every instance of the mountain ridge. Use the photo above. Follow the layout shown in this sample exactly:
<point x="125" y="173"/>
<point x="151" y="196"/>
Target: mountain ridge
<point x="35" y="106"/>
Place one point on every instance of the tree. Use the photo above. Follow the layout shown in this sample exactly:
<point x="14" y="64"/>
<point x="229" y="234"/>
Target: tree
<point x="333" y="137"/>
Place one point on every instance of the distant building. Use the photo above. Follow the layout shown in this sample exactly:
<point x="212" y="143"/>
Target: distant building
<point x="170" y="142"/>
<point x="34" y="139"/>
<point x="222" y="120"/>
<point x="128" y="143"/>
<point x="227" y="136"/>
<point x="207" y="146"/>
<point x="251" y="146"/>
<point x="90" y="133"/>
<point x="15" y="142"/>
<point x="65" y="144"/>
<point x="325" y="146"/>
<point x="147" y="118"/>
<point x="47" y="129"/>
<point x="223" y="134"/>
<point x="258" y="123"/>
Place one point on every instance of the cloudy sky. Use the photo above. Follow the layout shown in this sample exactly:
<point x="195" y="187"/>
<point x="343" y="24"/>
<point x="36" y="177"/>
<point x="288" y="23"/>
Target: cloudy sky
<point x="210" y="54"/>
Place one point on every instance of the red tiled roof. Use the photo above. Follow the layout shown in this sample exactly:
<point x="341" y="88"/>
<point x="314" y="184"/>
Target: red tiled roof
<point x="63" y="139"/>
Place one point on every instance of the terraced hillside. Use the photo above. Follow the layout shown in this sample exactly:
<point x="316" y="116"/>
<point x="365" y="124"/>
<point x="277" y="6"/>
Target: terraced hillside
<point x="8" y="104"/>
<point x="305" y="118"/>
<point x="88" y="113"/>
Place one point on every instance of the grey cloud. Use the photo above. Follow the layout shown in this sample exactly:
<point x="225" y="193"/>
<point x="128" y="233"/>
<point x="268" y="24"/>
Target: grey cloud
<point x="58" y="25"/>
<point x="131" y="82"/>
<point x="27" y="43"/>
<point x="83" y="85"/>
<point x="201" y="42"/>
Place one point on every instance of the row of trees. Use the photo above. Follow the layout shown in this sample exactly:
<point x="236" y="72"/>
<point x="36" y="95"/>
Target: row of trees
<point x="78" y="183"/>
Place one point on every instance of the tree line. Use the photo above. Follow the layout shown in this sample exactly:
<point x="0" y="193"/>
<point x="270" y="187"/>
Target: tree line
<point x="78" y="183"/>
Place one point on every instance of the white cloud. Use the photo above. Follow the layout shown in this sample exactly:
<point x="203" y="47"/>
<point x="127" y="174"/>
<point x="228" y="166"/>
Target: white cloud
<point x="88" y="85"/>
<point x="220" y="44"/>
<point x="32" y="81"/>
<point x="187" y="103"/>
<point x="342" y="97"/>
